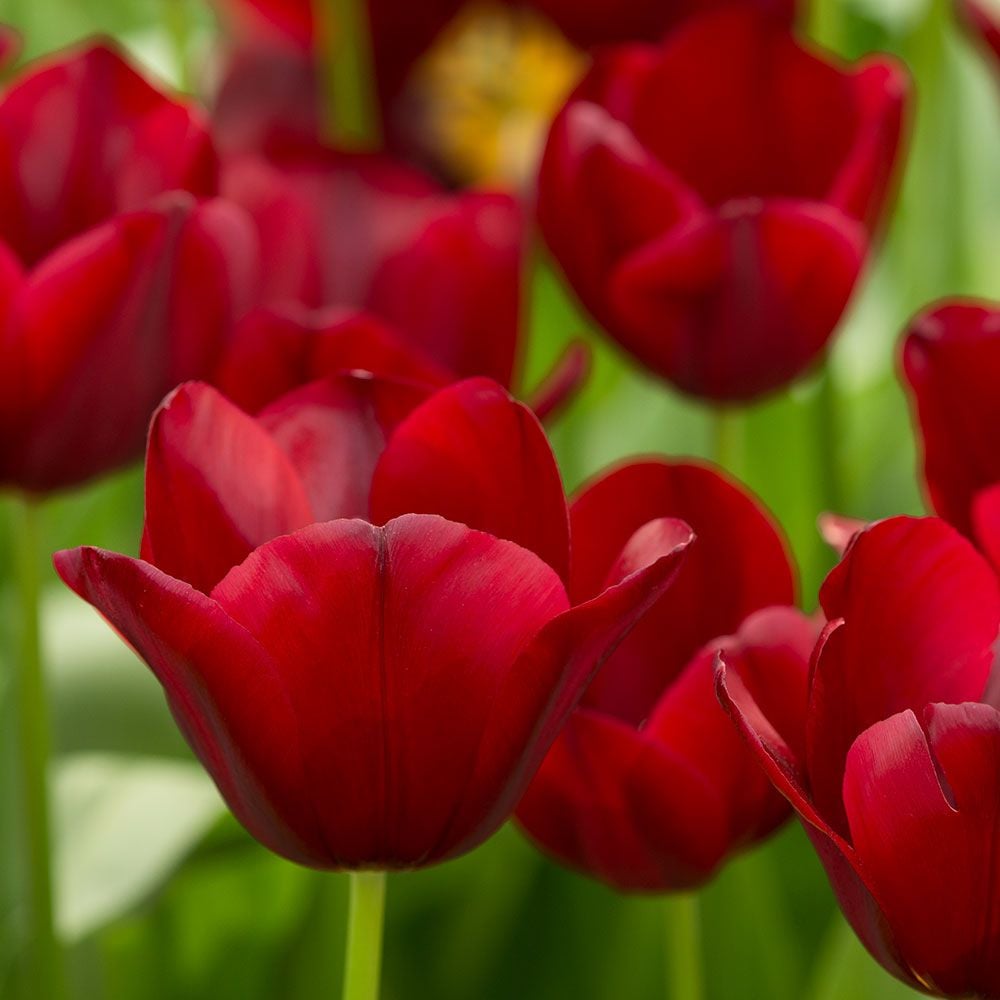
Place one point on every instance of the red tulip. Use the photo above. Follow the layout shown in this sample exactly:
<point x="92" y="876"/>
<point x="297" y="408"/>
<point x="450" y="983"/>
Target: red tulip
<point x="361" y="231"/>
<point x="898" y="792"/>
<point x="730" y="212"/>
<point x="983" y="20"/>
<point x="116" y="281"/>
<point x="647" y="788"/>
<point x="438" y="272"/>
<point x="369" y="683"/>
<point x="951" y="359"/>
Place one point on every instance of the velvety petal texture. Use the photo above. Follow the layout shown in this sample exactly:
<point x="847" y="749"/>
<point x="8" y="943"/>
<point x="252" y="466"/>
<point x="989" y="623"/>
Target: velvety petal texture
<point x="730" y="213"/>
<point x="119" y="275"/>
<point x="951" y="360"/>
<point x="648" y="788"/>
<point x="897" y="791"/>
<point x="366" y="694"/>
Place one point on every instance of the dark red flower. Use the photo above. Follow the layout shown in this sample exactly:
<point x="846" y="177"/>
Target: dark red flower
<point x="339" y="229"/>
<point x="647" y="788"/>
<point x="729" y="212"/>
<point x="899" y="793"/>
<point x="355" y="604"/>
<point x="983" y="20"/>
<point x="951" y="359"/>
<point x="438" y="272"/>
<point x="116" y="281"/>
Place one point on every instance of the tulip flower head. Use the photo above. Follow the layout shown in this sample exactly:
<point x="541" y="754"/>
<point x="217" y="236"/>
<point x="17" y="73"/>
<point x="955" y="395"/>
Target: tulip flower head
<point x="951" y="360"/>
<point x="119" y="275"/>
<point x="891" y="753"/>
<point x="646" y="788"/>
<point x="729" y="212"/>
<point x="355" y="602"/>
<point x="983" y="19"/>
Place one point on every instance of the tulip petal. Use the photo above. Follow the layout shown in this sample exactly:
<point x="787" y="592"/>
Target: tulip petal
<point x="555" y="668"/>
<point x="475" y="455"/>
<point x="334" y="431"/>
<point x="771" y="653"/>
<point x="923" y="818"/>
<point x="223" y="689"/>
<point x="83" y="138"/>
<point x="736" y="304"/>
<point x="921" y="612"/>
<point x="986" y="523"/>
<point x="951" y="359"/>
<point x="276" y="351"/>
<point x="112" y="321"/>
<point x="785" y="766"/>
<point x="217" y="487"/>
<point x="772" y="119"/>
<point x="733" y="531"/>
<point x="612" y="804"/>
<point x="394" y="643"/>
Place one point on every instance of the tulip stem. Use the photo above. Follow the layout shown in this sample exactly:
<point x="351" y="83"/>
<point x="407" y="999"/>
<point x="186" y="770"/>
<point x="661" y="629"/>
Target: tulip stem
<point x="828" y="441"/>
<point x="45" y="976"/>
<point x="684" y="972"/>
<point x="365" y="918"/>
<point x="346" y="71"/>
<point x="727" y="434"/>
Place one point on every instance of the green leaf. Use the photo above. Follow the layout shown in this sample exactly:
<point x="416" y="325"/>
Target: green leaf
<point x="122" y="825"/>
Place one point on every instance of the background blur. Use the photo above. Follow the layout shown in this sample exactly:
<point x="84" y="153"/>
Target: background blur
<point x="161" y="894"/>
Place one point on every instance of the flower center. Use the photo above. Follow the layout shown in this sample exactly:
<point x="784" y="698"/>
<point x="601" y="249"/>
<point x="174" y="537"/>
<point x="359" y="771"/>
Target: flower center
<point x="480" y="102"/>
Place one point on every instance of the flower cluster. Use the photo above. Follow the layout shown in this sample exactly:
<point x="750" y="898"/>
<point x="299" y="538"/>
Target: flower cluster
<point x="377" y="619"/>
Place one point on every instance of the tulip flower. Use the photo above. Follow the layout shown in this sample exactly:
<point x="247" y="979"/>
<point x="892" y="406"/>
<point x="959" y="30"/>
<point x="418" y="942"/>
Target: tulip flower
<point x="119" y="274"/>
<point x="891" y="754"/>
<point x="647" y="788"/>
<point x="984" y="21"/>
<point x="729" y="212"/>
<point x="439" y="273"/>
<point x="951" y="360"/>
<point x="355" y="602"/>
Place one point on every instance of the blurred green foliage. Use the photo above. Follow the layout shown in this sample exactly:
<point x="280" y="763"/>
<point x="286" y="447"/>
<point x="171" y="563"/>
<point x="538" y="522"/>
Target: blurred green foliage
<point x="161" y="895"/>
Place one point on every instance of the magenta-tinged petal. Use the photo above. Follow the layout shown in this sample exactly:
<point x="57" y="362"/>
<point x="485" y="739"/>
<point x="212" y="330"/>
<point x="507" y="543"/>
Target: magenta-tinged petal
<point x="276" y="351"/>
<point x="224" y="689"/>
<point x="394" y="707"/>
<point x="217" y="487"/>
<point x="921" y="611"/>
<point x="738" y="565"/>
<point x="334" y="431"/>
<point x="474" y="455"/>
<point x="738" y="303"/>
<point x="923" y="818"/>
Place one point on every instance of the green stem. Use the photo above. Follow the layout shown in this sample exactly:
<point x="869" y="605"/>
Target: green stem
<point x="366" y="913"/>
<point x="684" y="972"/>
<point x="827" y="24"/>
<point x="46" y="972"/>
<point x="343" y="49"/>
<point x="828" y="441"/>
<point x="727" y="438"/>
